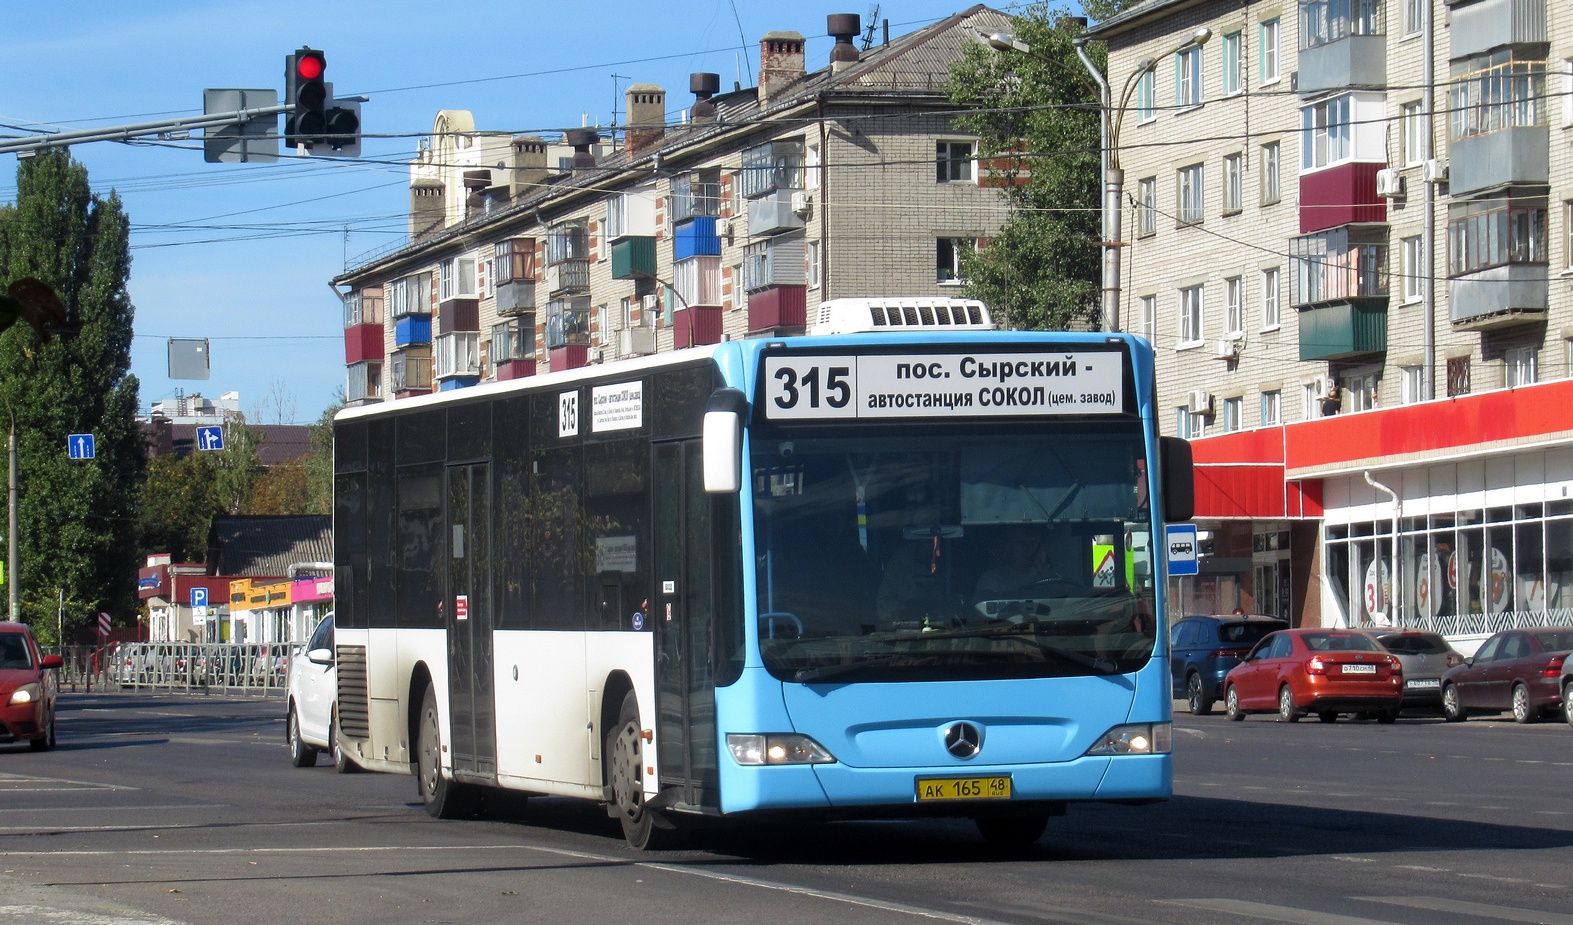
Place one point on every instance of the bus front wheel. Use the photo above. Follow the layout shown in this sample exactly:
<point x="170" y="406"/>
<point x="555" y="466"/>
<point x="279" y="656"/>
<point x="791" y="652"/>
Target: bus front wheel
<point x="444" y="798"/>
<point x="644" y="828"/>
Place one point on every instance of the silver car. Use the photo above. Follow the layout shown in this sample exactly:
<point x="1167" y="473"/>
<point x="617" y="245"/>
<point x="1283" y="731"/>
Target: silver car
<point x="1425" y="657"/>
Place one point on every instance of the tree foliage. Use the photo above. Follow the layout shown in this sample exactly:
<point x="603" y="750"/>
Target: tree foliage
<point x="1042" y="110"/>
<point x="75" y="516"/>
<point x="179" y="501"/>
<point x="319" y="465"/>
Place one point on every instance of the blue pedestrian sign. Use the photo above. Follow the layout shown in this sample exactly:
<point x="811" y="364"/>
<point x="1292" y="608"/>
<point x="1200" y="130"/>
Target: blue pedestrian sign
<point x="199" y="597"/>
<point x="80" y="446"/>
<point x="210" y="438"/>
<point x="1180" y="544"/>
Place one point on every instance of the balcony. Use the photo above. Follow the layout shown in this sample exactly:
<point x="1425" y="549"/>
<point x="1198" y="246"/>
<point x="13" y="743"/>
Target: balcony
<point x="633" y="258"/>
<point x="1519" y="155"/>
<point x="516" y="297"/>
<point x="635" y="342"/>
<point x="696" y="325"/>
<point x="778" y="309"/>
<point x="1340" y="195"/>
<point x="456" y="356"/>
<point x="410" y="295"/>
<point x="1497" y="124"/>
<point x="363" y="383"/>
<point x="1339" y="284"/>
<point x="1481" y="25"/>
<point x="363" y="342"/>
<point x="457" y="315"/>
<point x="568" y="323"/>
<point x="570" y="275"/>
<point x="696" y="238"/>
<point x="411" y="372"/>
<point x="697" y="281"/>
<point x="1498" y="297"/>
<point x="1343" y="330"/>
<point x="772" y="213"/>
<point x="568" y="356"/>
<point x="411" y="330"/>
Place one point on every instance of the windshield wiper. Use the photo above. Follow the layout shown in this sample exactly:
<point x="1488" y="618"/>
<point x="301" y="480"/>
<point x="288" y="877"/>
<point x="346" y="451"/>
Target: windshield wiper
<point x="823" y="672"/>
<point x="1026" y="632"/>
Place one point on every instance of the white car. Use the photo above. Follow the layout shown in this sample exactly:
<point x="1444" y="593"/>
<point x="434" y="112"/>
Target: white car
<point x="313" y="702"/>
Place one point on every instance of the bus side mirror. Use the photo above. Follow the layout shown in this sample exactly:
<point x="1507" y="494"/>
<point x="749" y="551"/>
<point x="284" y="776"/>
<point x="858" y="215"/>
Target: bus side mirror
<point x="1179" y="479"/>
<point x="723" y="441"/>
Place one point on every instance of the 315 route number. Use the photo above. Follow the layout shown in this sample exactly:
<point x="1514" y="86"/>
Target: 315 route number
<point x="810" y="387"/>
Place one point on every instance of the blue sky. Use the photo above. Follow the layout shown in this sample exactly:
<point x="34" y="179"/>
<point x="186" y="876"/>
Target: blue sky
<point x="242" y="253"/>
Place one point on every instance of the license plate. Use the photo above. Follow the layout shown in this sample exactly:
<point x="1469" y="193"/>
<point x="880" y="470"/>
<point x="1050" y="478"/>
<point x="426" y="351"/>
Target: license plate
<point x="1359" y="669"/>
<point x="1423" y="683"/>
<point x="963" y="788"/>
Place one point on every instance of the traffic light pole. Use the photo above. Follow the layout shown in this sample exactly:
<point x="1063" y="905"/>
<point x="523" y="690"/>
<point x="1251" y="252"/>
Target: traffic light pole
<point x="31" y="143"/>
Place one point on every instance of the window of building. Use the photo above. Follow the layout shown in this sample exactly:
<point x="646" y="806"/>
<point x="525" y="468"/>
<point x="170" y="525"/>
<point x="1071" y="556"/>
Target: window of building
<point x="1495" y="231"/>
<point x="813" y="264"/>
<point x="1233" y="183"/>
<point x="1234" y="306"/>
<point x="774" y="166"/>
<point x="947" y="259"/>
<point x="1567" y="234"/>
<point x="1268" y="46"/>
<point x="508" y="343"/>
<point x="1231" y="63"/>
<point x="1188" y="77"/>
<point x="1191" y="330"/>
<point x="1326" y="134"/>
<point x="1311" y="394"/>
<point x="1271" y="186"/>
<point x="1362" y="391"/>
<point x="1271" y="318"/>
<point x="1413" y="268"/>
<point x="1182" y="422"/>
<point x="1567" y="91"/>
<point x="1415" y="12"/>
<point x="1191" y="194"/>
<point x="953" y="162"/>
<point x="1494" y="91"/>
<point x="1149" y="316"/>
<point x="1413" y="122"/>
<point x="1233" y="414"/>
<point x="1412" y="379"/>
<point x="1147" y="211"/>
<point x="1272" y="408"/>
<point x="1146" y="97"/>
<point x="1521" y="366"/>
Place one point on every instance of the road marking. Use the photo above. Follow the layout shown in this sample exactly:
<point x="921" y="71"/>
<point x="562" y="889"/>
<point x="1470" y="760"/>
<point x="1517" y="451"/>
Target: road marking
<point x="72" y="917"/>
<point x="1273" y="913"/>
<point x="10" y="783"/>
<point x="1500" y="913"/>
<point x="54" y="811"/>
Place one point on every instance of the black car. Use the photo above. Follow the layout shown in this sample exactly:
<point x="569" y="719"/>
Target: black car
<point x="1202" y="649"/>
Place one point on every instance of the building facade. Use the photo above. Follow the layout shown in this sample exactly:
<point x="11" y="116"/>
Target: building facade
<point x="529" y="254"/>
<point x="1349" y="237"/>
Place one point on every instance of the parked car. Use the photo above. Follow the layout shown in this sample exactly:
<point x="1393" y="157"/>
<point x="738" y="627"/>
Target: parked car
<point x="1426" y="657"/>
<point x="1566" y="683"/>
<point x="312" y="712"/>
<point x="1202" y="649"/>
<point x="28" y="689"/>
<point x="1518" y="670"/>
<point x="1321" y="671"/>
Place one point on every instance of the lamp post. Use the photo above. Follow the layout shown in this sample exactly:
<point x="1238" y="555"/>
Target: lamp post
<point x="1110" y="117"/>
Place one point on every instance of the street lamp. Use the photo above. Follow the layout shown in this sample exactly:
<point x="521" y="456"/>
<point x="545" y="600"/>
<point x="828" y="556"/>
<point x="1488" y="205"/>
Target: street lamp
<point x="1110" y="117"/>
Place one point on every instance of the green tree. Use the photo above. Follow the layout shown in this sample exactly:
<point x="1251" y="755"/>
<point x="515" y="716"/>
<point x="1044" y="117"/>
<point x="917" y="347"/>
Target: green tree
<point x="76" y="518"/>
<point x="239" y="465"/>
<point x="1042" y="112"/>
<point x="179" y="500"/>
<point x="319" y="465"/>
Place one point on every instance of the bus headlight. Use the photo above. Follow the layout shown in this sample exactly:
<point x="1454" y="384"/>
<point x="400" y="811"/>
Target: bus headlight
<point x="1135" y="739"/>
<point x="27" y="693"/>
<point x="757" y="749"/>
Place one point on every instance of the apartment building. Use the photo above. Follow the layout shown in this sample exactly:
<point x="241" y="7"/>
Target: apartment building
<point x="1349" y="237"/>
<point x="735" y="219"/>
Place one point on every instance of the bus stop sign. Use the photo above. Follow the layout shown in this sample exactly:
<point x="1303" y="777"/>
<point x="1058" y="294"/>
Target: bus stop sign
<point x="1180" y="541"/>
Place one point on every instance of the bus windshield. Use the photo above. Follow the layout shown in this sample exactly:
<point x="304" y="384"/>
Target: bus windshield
<point x="896" y="554"/>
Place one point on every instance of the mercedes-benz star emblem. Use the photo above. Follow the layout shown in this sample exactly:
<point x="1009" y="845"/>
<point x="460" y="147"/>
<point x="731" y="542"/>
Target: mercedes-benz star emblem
<point x="963" y="740"/>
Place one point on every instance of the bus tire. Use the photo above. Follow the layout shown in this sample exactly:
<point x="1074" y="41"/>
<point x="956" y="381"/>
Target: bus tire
<point x="644" y="829"/>
<point x="444" y="798"/>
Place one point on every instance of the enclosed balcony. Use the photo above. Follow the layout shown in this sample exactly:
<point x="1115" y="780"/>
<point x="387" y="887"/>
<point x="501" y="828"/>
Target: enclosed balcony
<point x="456" y="356"/>
<point x="515" y="275"/>
<point x="1339" y="287"/>
<point x="1343" y="144"/>
<point x="513" y="348"/>
<point x="1341" y="45"/>
<point x="1497" y="262"/>
<point x="363" y="383"/>
<point x="363" y="325"/>
<point x="569" y="275"/>
<point x="411" y="330"/>
<point x="696" y="195"/>
<point x="1480" y="25"/>
<point x="568" y="322"/>
<point x="633" y="258"/>
<point x="775" y="212"/>
<point x="410" y="295"/>
<point x="696" y="238"/>
<point x="1497" y="123"/>
<point x="410" y="372"/>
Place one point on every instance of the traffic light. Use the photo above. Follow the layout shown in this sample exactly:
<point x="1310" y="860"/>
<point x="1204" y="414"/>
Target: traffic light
<point x="342" y="131"/>
<point x="307" y="91"/>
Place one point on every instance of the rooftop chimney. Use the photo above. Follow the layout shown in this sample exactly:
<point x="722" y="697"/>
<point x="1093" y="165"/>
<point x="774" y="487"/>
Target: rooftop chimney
<point x="580" y="139"/>
<point x="780" y="63"/>
<point x="529" y="165"/>
<point x="843" y="27"/>
<point x="703" y="86"/>
<point x="646" y="117"/>
<point x="427" y="208"/>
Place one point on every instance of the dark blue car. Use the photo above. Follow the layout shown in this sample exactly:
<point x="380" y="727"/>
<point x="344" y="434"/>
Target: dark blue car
<point x="1202" y="650"/>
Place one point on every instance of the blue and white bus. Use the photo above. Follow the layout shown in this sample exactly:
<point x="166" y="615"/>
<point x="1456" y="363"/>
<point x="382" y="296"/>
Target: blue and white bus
<point x="906" y="567"/>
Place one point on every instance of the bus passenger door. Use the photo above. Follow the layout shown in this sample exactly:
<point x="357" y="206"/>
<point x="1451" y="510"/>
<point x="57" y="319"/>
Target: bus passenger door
<point x="684" y="612"/>
<point x="468" y="609"/>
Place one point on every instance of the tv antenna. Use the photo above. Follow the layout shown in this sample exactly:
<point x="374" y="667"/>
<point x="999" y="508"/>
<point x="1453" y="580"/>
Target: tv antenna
<point x="868" y="33"/>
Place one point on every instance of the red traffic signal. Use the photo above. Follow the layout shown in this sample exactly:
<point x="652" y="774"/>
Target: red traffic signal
<point x="307" y="92"/>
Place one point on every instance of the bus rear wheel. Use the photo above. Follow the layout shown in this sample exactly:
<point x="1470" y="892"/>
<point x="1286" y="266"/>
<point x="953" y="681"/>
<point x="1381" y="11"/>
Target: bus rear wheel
<point x="444" y="798"/>
<point x="643" y="828"/>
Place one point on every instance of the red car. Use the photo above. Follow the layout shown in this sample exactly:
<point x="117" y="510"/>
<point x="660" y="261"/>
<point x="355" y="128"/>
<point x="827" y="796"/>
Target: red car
<point x="28" y="689"/>
<point x="1321" y="671"/>
<point x="1518" y="670"/>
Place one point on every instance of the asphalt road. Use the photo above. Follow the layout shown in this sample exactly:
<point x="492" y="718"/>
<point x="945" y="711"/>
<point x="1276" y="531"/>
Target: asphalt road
<point x="160" y="809"/>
